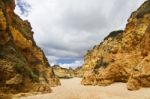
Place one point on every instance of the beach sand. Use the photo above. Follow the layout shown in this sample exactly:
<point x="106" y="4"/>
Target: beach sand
<point x="72" y="89"/>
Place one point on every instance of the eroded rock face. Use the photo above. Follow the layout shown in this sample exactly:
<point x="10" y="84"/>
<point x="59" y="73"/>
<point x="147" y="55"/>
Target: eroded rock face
<point x="63" y="72"/>
<point x="67" y="73"/>
<point x="79" y="72"/>
<point x="104" y="53"/>
<point x="140" y="76"/>
<point x="22" y="63"/>
<point x="123" y="56"/>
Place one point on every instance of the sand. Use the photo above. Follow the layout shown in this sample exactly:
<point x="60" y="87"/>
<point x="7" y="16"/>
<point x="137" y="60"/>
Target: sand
<point x="72" y="89"/>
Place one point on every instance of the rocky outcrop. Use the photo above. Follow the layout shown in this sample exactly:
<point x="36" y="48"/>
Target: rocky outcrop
<point x="67" y="73"/>
<point x="140" y="75"/>
<point x="24" y="67"/>
<point x="78" y="72"/>
<point x="102" y="54"/>
<point x="61" y="72"/>
<point x="123" y="56"/>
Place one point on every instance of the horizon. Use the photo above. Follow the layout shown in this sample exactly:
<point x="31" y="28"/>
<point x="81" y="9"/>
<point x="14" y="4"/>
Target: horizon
<point x="66" y="31"/>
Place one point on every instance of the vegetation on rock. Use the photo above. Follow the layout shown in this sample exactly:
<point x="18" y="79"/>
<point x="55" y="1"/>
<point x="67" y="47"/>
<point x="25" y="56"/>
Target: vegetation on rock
<point x="123" y="56"/>
<point x="23" y="64"/>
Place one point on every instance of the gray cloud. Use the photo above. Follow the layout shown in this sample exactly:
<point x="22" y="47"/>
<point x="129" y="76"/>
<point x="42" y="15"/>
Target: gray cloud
<point x="23" y="6"/>
<point x="90" y="21"/>
<point x="66" y="29"/>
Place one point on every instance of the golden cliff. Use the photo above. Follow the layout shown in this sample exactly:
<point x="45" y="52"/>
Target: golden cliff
<point x="61" y="72"/>
<point x="123" y="56"/>
<point x="67" y="73"/>
<point x="23" y="65"/>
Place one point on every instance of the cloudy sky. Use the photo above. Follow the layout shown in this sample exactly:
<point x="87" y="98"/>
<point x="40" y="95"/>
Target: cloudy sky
<point x="66" y="29"/>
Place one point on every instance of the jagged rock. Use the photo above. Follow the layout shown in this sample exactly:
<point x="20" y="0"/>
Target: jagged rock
<point x="103" y="53"/>
<point x="67" y="73"/>
<point x="123" y="56"/>
<point x="23" y="64"/>
<point x="63" y="72"/>
<point x="101" y="57"/>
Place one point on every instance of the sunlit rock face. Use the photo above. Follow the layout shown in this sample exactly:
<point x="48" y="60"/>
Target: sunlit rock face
<point x="65" y="73"/>
<point x="23" y="65"/>
<point x="123" y="56"/>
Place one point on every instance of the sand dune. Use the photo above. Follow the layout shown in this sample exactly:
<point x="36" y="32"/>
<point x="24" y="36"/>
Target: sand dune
<point x="71" y="89"/>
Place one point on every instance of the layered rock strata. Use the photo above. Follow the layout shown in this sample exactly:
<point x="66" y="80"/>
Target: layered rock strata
<point x="123" y="56"/>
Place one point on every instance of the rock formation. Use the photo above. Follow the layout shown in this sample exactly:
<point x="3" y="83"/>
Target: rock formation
<point x="123" y="56"/>
<point x="23" y="65"/>
<point x="78" y="72"/>
<point x="61" y="72"/>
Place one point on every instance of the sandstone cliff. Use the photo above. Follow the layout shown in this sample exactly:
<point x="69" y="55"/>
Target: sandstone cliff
<point x="123" y="56"/>
<point x="61" y="72"/>
<point x="78" y="72"/>
<point x="23" y="65"/>
<point x="65" y="73"/>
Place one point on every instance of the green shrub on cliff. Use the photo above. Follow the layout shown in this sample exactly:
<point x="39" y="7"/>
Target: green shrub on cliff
<point x="101" y="63"/>
<point x="26" y="71"/>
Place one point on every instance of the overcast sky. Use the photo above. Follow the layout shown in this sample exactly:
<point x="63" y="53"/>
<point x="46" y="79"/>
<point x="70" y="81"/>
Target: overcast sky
<point x="66" y="29"/>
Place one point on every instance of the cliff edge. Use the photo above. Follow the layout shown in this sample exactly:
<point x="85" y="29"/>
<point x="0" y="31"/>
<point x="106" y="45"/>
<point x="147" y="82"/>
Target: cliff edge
<point x="123" y="56"/>
<point x="24" y="67"/>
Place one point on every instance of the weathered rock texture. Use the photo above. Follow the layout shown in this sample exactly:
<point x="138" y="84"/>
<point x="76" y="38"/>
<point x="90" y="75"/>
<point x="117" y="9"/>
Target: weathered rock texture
<point x="61" y="72"/>
<point x="66" y="73"/>
<point x="123" y="56"/>
<point x="23" y="65"/>
<point x="78" y="72"/>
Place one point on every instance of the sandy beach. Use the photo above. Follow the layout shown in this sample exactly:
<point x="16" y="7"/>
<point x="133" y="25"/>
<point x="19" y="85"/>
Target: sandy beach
<point x="72" y="89"/>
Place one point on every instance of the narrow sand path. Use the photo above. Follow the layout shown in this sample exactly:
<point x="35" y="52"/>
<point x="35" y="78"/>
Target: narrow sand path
<point x="71" y="89"/>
